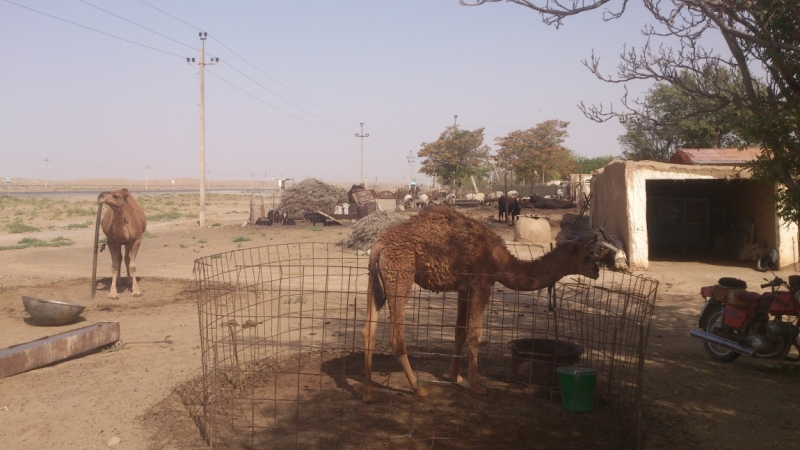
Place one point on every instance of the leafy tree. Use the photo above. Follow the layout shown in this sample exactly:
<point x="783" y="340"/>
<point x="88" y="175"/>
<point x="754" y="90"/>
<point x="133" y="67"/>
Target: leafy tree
<point x="666" y="122"/>
<point x="589" y="165"/>
<point x="763" y="51"/>
<point x="535" y="151"/>
<point x="456" y="155"/>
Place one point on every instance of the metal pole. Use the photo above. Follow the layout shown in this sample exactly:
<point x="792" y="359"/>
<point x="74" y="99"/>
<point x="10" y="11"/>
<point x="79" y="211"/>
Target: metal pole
<point x="202" y="65"/>
<point x="96" y="242"/>
<point x="505" y="192"/>
<point x="146" y="169"/>
<point x="46" y="163"/>
<point x="362" y="136"/>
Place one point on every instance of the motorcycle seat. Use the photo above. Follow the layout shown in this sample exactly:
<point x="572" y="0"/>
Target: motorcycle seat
<point x="748" y="297"/>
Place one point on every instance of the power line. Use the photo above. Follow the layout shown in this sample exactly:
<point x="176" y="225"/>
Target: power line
<point x="170" y="15"/>
<point x="283" y="85"/>
<point x="275" y="94"/>
<point x="251" y="64"/>
<point x="275" y="107"/>
<point x="92" y="29"/>
<point x="134" y="23"/>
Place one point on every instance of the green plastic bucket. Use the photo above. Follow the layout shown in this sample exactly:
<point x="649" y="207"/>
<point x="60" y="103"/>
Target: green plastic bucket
<point x="578" y="387"/>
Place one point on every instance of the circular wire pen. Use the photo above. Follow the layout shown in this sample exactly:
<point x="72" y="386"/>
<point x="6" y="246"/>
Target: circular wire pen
<point x="283" y="359"/>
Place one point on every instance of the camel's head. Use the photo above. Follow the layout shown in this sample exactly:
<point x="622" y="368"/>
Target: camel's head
<point x="581" y="260"/>
<point x="115" y="199"/>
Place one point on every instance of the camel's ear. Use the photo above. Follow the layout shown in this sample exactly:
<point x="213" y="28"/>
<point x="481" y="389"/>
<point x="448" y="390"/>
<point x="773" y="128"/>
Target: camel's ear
<point x="125" y="192"/>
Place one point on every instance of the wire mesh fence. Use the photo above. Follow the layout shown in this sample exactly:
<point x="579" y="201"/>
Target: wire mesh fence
<point x="283" y="360"/>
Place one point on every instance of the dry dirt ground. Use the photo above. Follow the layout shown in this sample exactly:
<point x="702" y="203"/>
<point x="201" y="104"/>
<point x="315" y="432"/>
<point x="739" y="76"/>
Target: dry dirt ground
<point x="129" y="393"/>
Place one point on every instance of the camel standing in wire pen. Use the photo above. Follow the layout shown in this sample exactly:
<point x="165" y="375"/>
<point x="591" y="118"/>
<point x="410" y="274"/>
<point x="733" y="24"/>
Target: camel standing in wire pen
<point x="444" y="251"/>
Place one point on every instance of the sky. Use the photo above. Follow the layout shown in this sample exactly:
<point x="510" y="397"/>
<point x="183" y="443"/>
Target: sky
<point x="294" y="81"/>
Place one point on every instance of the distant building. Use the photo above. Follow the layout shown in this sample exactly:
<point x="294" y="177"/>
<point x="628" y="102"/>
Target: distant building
<point x="715" y="156"/>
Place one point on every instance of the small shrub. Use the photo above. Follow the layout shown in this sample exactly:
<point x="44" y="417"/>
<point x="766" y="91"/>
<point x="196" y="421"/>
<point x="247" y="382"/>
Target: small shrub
<point x="78" y="225"/>
<point x="182" y="246"/>
<point x="169" y="215"/>
<point x="202" y="241"/>
<point x="148" y="235"/>
<point x="33" y="242"/>
<point x="241" y="239"/>
<point x="216" y="224"/>
<point x="18" y="226"/>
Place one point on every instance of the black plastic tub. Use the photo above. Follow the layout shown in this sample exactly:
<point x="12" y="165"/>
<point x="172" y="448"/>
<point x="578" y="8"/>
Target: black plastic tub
<point x="534" y="361"/>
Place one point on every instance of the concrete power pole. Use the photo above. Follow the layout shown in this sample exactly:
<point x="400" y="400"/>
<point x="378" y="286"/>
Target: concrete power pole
<point x="202" y="64"/>
<point x="362" y="136"/>
<point x="46" y="163"/>
<point x="410" y="163"/>
<point x="455" y="120"/>
<point x="146" y="170"/>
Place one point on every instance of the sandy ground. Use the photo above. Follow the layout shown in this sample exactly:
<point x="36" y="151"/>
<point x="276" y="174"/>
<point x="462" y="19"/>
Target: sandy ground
<point x="690" y="401"/>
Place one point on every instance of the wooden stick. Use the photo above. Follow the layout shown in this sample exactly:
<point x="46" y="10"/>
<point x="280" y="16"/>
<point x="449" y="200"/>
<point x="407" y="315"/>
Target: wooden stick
<point x="96" y="242"/>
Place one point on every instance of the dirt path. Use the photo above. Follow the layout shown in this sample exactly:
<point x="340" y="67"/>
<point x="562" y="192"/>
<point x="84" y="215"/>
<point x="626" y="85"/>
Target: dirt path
<point x="690" y="401"/>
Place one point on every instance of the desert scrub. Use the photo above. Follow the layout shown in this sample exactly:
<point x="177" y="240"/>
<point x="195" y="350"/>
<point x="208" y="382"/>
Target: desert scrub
<point x="202" y="241"/>
<point x="79" y="225"/>
<point x="169" y="215"/>
<point x="33" y="242"/>
<point x="216" y="224"/>
<point x="76" y="211"/>
<point x="148" y="235"/>
<point x="241" y="239"/>
<point x="18" y="226"/>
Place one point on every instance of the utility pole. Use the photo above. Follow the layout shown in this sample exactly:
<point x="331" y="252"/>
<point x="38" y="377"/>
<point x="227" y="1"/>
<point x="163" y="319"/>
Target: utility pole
<point x="202" y="64"/>
<point x="362" y="136"/>
<point x="455" y="120"/>
<point x="46" y="163"/>
<point x="410" y="163"/>
<point x="146" y="170"/>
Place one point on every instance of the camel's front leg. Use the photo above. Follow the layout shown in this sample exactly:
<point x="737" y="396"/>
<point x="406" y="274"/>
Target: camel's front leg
<point x="130" y="264"/>
<point x="116" y="261"/>
<point x="476" y="308"/>
<point x="461" y="336"/>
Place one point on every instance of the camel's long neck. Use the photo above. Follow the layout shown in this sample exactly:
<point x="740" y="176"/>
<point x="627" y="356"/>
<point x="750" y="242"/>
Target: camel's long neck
<point x="531" y="275"/>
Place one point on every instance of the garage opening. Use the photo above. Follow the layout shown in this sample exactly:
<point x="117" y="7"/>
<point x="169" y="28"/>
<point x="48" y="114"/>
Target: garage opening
<point x="708" y="220"/>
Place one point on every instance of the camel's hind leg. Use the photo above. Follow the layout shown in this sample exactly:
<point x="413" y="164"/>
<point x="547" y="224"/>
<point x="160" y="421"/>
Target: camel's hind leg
<point x="115" y="250"/>
<point x="397" y="304"/>
<point x="369" y="335"/>
<point x="130" y="264"/>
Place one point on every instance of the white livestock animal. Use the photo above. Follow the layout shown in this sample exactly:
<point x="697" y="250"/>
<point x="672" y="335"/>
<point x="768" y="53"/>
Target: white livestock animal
<point x="479" y="197"/>
<point x="513" y="194"/>
<point x="423" y="200"/>
<point x="449" y="199"/>
<point x="408" y="200"/>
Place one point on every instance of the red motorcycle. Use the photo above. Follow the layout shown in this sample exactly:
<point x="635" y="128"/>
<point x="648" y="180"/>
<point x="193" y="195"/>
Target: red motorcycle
<point x="735" y="321"/>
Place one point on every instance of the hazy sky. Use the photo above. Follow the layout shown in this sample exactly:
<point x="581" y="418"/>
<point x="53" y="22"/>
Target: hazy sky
<point x="100" y="107"/>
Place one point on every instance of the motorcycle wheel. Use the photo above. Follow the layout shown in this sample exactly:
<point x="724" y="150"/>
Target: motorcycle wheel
<point x="713" y="325"/>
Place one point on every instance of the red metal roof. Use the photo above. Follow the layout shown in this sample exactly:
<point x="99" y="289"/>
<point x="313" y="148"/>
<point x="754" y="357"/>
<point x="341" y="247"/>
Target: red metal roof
<point x="715" y="156"/>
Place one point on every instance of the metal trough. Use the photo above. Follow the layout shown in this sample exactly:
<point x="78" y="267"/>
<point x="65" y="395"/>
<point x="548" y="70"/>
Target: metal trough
<point x="47" y="350"/>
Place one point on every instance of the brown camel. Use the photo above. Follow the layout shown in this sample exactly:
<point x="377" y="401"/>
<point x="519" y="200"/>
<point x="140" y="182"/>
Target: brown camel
<point x="444" y="251"/>
<point x="123" y="224"/>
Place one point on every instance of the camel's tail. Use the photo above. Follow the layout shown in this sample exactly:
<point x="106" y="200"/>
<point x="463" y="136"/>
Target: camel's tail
<point x="376" y="283"/>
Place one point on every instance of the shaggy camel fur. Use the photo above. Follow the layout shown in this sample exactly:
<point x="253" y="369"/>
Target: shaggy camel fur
<point x="123" y="224"/>
<point x="444" y="251"/>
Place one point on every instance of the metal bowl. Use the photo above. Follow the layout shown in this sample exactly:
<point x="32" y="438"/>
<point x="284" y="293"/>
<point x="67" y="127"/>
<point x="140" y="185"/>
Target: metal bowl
<point x="51" y="312"/>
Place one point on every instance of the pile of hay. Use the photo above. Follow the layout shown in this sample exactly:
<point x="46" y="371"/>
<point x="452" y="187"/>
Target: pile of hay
<point x="311" y="195"/>
<point x="364" y="232"/>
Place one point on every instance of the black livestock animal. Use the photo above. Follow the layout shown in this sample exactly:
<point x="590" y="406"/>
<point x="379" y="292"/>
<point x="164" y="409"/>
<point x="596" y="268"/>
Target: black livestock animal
<point x="514" y="208"/>
<point x="551" y="203"/>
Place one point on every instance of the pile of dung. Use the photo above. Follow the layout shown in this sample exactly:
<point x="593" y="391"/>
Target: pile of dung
<point x="364" y="232"/>
<point x="311" y="195"/>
